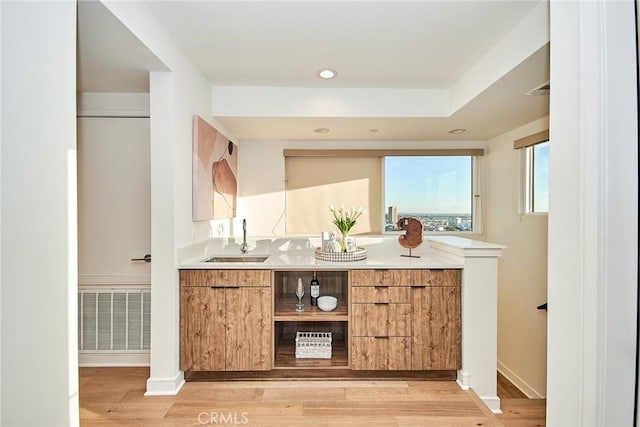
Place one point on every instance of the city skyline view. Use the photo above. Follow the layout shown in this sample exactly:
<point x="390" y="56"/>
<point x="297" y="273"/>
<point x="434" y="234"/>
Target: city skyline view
<point x="430" y="222"/>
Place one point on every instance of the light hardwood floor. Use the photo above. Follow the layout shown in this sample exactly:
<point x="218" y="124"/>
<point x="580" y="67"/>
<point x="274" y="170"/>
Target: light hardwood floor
<point x="517" y="410"/>
<point x="115" y="397"/>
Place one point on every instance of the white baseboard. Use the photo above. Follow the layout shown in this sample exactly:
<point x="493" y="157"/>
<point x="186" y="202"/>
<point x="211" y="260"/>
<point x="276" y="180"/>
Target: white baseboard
<point x="98" y="359"/>
<point x="529" y="391"/>
<point x="165" y="386"/>
<point x="493" y="403"/>
<point x="463" y="380"/>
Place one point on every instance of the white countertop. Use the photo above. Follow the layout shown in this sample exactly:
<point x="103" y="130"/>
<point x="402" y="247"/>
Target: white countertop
<point x="297" y="253"/>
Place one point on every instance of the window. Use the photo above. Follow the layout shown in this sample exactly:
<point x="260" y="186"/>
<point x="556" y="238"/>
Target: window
<point x="434" y="185"/>
<point x="435" y="189"/>
<point x="534" y="177"/>
<point x="539" y="192"/>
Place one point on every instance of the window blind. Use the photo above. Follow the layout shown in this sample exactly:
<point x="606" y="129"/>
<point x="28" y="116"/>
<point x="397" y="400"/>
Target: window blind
<point x="528" y="141"/>
<point x="314" y="183"/>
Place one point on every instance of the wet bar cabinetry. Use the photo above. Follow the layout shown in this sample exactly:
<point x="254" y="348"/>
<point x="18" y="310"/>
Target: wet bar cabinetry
<point x="385" y="320"/>
<point x="431" y="317"/>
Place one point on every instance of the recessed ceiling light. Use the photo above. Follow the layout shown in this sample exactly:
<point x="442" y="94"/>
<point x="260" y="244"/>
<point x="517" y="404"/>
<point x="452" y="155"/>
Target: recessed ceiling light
<point x="327" y="73"/>
<point x="321" y="130"/>
<point x="457" y="131"/>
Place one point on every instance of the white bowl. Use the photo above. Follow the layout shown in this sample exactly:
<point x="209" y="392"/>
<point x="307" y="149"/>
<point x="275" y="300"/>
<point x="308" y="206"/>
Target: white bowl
<point x="327" y="307"/>
<point x="327" y="300"/>
<point x="327" y="303"/>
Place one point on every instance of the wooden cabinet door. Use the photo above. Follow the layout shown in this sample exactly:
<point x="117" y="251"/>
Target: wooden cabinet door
<point x="202" y="329"/>
<point x="376" y="353"/>
<point x="381" y="319"/>
<point x="249" y="329"/>
<point x="436" y="321"/>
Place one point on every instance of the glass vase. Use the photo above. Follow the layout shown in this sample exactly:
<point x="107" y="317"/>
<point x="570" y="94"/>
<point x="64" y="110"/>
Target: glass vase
<point x="343" y="241"/>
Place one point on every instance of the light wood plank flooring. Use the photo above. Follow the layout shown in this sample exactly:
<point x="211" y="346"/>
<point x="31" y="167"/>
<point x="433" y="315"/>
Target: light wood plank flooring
<point x="115" y="397"/>
<point x="517" y="410"/>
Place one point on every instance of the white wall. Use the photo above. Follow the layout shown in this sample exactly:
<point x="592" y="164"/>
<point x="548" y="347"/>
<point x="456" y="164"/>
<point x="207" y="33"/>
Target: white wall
<point x="522" y="270"/>
<point x="261" y="176"/>
<point x="593" y="216"/>
<point x="38" y="234"/>
<point x="175" y="96"/>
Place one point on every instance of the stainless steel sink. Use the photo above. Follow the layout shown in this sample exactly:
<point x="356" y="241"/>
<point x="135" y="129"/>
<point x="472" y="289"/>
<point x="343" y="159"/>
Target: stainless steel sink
<point x="237" y="259"/>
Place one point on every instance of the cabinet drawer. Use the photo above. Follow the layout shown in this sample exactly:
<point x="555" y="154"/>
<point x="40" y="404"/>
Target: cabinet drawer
<point x="436" y="277"/>
<point x="371" y="294"/>
<point x="383" y="320"/>
<point x="380" y="277"/>
<point x="225" y="278"/>
<point x="370" y="353"/>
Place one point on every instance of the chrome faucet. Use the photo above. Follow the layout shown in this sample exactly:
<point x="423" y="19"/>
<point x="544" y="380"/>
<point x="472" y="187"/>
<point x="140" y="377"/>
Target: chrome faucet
<point x="244" y="248"/>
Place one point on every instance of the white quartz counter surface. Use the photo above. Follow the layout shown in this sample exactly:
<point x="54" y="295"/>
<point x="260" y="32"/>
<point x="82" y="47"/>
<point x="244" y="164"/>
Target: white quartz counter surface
<point x="298" y="253"/>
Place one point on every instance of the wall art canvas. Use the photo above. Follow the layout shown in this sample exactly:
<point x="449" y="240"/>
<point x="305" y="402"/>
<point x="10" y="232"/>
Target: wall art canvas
<point x="215" y="166"/>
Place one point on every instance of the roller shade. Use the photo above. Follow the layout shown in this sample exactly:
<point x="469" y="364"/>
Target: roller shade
<point x="314" y="183"/>
<point x="528" y="141"/>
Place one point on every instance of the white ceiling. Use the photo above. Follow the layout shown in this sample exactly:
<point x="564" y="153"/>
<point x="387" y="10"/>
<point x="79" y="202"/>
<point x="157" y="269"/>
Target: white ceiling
<point x="410" y="47"/>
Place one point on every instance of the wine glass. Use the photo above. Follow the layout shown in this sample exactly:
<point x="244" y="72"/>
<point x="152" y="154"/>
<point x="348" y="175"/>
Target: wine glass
<point x="300" y="294"/>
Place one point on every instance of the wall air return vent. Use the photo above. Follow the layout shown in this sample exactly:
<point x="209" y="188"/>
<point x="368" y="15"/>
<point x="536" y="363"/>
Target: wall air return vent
<point x="114" y="320"/>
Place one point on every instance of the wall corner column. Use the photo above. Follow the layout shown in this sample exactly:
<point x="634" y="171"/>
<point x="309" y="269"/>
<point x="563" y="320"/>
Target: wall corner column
<point x="166" y="378"/>
<point x="479" y="314"/>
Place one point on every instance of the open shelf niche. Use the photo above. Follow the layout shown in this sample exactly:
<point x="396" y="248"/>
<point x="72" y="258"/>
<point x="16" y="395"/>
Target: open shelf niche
<point x="288" y="321"/>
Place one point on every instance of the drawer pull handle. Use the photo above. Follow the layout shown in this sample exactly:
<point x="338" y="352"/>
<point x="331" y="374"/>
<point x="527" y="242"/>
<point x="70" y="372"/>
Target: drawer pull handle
<point x="380" y="303"/>
<point x="381" y="337"/>
<point x="381" y="287"/>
